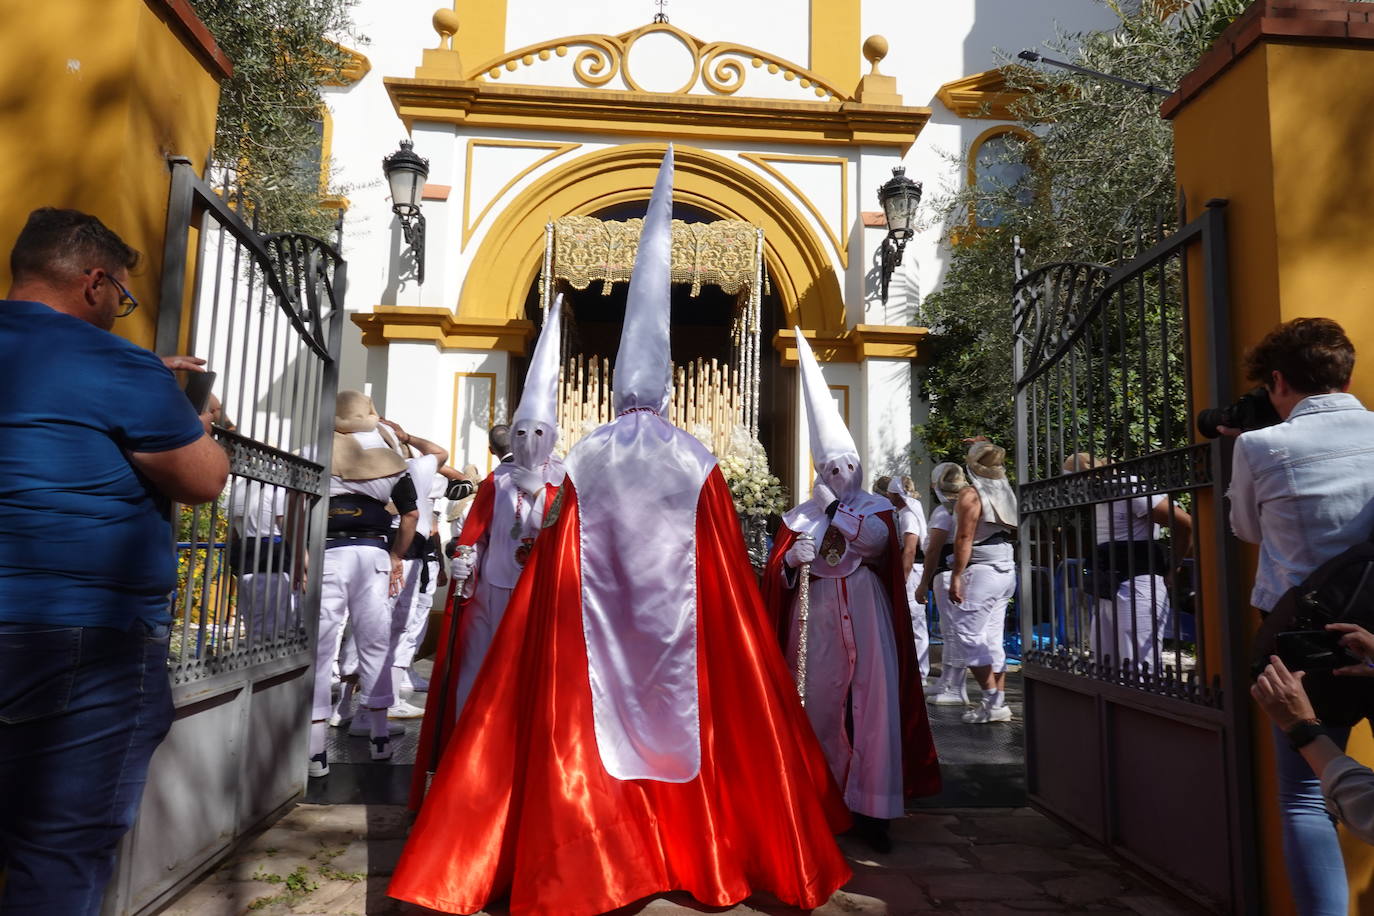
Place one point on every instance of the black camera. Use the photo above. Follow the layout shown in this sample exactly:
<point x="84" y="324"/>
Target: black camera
<point x="1252" y="410"/>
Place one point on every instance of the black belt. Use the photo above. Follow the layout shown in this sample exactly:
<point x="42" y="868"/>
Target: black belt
<point x="353" y="540"/>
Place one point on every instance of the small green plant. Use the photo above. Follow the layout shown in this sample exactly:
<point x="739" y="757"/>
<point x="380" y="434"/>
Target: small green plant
<point x="298" y="884"/>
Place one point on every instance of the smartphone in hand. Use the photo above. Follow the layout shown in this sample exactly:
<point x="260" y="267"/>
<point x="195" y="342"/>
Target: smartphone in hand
<point x="197" y="386"/>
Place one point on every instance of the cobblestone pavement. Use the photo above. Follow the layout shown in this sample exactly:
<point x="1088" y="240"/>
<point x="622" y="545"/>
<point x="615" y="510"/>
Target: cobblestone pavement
<point x="337" y="859"/>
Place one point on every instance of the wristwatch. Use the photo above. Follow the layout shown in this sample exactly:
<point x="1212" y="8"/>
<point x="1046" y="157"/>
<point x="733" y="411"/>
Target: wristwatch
<point x="1304" y="733"/>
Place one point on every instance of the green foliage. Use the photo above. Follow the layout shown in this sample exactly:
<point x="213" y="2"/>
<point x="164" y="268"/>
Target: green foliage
<point x="1100" y="169"/>
<point x="270" y="110"/>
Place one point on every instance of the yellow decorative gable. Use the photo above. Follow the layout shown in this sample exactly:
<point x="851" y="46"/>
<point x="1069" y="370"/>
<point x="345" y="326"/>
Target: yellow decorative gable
<point x="982" y="95"/>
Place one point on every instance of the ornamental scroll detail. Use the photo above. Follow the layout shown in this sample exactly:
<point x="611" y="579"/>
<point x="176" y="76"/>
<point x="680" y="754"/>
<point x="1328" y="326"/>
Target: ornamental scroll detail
<point x="721" y="67"/>
<point x="722" y="254"/>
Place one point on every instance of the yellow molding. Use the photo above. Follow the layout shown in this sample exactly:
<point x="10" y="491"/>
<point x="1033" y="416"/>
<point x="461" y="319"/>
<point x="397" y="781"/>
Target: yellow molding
<point x="886" y="341"/>
<point x="487" y="106"/>
<point x="458" y="377"/>
<point x="835" y="41"/>
<point x="828" y="346"/>
<point x="720" y="65"/>
<point x="386" y="324"/>
<point x="762" y="160"/>
<point x="482" y="31"/>
<point x="861" y="342"/>
<point x="982" y="95"/>
<point x="469" y="226"/>
<point x="800" y="268"/>
<point x="355" y="67"/>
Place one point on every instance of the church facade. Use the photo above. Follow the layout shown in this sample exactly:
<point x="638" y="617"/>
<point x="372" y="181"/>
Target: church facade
<point x="543" y="124"/>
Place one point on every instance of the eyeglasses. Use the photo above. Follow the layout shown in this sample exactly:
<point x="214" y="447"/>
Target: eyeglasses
<point x="126" y="300"/>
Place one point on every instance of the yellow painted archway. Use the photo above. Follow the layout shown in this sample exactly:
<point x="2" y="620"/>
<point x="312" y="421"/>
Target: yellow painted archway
<point x="509" y="258"/>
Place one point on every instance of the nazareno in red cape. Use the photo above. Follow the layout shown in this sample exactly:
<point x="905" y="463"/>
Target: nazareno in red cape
<point x="920" y="763"/>
<point x="522" y="806"/>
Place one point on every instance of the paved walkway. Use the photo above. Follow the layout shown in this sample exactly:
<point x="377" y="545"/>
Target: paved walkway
<point x="337" y="859"/>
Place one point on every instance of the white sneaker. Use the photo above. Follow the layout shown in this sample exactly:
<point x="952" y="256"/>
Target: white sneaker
<point x="983" y="713"/>
<point x="418" y="683"/>
<point x="403" y="710"/>
<point x="381" y="748"/>
<point x="319" y="765"/>
<point x="947" y="698"/>
<point x="934" y="687"/>
<point x="362" y="725"/>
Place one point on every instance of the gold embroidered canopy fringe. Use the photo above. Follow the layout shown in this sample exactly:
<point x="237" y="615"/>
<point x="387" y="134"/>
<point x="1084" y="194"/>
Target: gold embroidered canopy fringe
<point x="724" y="253"/>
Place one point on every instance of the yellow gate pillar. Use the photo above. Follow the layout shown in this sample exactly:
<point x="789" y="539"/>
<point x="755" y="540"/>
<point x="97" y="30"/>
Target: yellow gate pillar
<point x="94" y="95"/>
<point x="1275" y="119"/>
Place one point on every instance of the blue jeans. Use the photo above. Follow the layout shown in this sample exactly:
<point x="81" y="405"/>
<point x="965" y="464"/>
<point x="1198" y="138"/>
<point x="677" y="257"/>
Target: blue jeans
<point x="81" y="711"/>
<point x="1311" y="849"/>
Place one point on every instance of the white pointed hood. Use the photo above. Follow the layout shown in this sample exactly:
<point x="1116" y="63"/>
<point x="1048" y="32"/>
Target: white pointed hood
<point x="830" y="438"/>
<point x="534" y="427"/>
<point x="643" y="362"/>
<point x="839" y="475"/>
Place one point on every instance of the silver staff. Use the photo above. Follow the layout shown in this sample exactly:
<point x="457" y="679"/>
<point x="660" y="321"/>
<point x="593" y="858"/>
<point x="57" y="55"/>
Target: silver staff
<point x="450" y="668"/>
<point x="804" y="615"/>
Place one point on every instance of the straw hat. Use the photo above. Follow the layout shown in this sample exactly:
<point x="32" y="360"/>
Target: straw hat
<point x="987" y="461"/>
<point x="948" y="479"/>
<point x="353" y="462"/>
<point x="354" y="412"/>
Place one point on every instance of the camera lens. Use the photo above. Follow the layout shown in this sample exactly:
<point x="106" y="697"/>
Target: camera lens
<point x="1209" y="418"/>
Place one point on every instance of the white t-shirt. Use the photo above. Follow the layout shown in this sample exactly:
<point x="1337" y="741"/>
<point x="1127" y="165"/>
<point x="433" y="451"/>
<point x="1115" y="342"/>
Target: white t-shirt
<point x="909" y="522"/>
<point x="254" y="508"/>
<point x="422" y="470"/>
<point x="1126" y="519"/>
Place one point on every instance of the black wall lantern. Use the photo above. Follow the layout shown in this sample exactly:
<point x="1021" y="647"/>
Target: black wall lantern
<point x="406" y="173"/>
<point x="899" y="197"/>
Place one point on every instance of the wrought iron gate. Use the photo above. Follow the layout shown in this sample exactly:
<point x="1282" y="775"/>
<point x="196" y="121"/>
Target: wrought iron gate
<point x="266" y="312"/>
<point x="1137" y="718"/>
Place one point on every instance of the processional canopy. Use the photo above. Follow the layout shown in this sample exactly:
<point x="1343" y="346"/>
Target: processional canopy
<point x="726" y="253"/>
<point x="709" y="399"/>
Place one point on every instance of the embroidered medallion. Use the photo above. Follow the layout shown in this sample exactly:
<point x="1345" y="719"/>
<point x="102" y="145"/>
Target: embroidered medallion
<point x="522" y="553"/>
<point x="833" y="546"/>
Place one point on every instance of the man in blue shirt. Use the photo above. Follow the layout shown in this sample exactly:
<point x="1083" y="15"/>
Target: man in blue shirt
<point x="96" y="442"/>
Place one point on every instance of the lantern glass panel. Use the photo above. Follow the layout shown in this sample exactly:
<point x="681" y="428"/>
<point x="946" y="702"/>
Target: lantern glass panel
<point x="405" y="187"/>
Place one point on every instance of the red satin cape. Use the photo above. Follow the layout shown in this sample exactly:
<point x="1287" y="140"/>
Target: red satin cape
<point x="522" y="805"/>
<point x="920" y="763"/>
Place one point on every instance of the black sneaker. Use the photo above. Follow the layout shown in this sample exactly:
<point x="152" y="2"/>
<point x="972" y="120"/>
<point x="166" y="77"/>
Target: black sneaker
<point x="319" y="765"/>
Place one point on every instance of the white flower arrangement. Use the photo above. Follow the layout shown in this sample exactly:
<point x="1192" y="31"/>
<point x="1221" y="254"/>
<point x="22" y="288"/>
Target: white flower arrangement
<point x="757" y="493"/>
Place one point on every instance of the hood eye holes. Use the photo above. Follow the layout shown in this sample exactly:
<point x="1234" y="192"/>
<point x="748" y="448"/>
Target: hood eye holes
<point x="539" y="432"/>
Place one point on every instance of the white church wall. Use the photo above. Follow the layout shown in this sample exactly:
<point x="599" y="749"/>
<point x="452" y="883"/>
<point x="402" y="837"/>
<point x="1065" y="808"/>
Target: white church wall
<point x="451" y="397"/>
<point x="887" y="422"/>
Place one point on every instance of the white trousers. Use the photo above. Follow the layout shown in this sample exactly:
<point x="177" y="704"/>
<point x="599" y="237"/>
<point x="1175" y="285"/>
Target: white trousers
<point x="412" y="611"/>
<point x="266" y="606"/>
<point x="476" y="629"/>
<point x="1130" y="627"/>
<point x="354" y="586"/>
<point x="919" y="627"/>
<point x="976" y="626"/>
